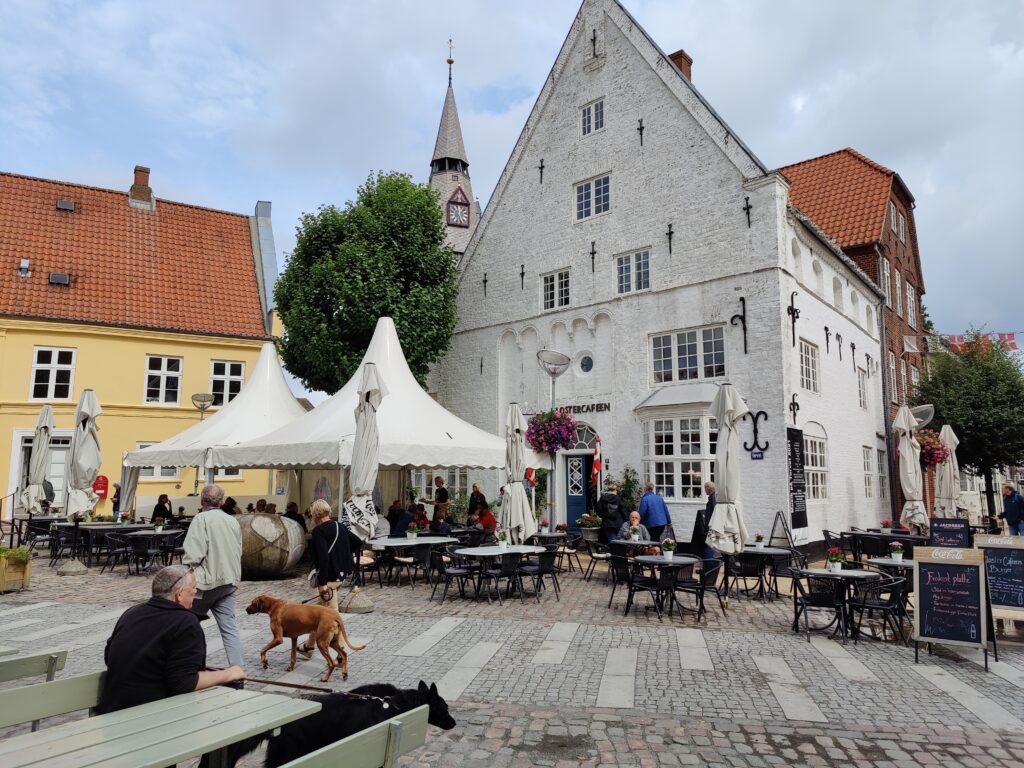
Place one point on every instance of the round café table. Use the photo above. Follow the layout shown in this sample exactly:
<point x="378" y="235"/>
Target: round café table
<point x="763" y="553"/>
<point x="415" y="541"/>
<point x="549" y="535"/>
<point x="496" y="551"/>
<point x="843" y="579"/>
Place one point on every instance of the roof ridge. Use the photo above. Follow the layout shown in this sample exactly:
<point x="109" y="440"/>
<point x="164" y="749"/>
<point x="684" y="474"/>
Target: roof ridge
<point x="108" y="191"/>
<point x="845" y="150"/>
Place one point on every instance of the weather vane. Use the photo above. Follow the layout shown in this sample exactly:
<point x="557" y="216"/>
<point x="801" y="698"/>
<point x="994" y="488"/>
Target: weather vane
<point x="451" y="60"/>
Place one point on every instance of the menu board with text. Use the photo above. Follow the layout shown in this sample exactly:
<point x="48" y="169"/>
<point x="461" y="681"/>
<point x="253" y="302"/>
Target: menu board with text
<point x="949" y="532"/>
<point x="951" y="596"/>
<point x="1004" y="569"/>
<point x="797" y="479"/>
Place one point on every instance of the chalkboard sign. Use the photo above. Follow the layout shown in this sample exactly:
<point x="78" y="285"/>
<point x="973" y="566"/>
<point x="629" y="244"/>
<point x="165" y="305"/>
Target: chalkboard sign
<point x="951" y="596"/>
<point x="949" y="532"/>
<point x="797" y="481"/>
<point x="1004" y="566"/>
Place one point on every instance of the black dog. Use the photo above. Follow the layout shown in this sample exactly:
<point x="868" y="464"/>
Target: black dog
<point x="342" y="715"/>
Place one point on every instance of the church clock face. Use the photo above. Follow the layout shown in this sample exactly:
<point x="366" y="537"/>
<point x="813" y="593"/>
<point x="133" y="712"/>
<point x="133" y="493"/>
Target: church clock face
<point x="458" y="214"/>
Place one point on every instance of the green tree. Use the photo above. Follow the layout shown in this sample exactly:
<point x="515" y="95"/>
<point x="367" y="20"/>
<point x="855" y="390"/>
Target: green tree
<point x="383" y="254"/>
<point x="979" y="392"/>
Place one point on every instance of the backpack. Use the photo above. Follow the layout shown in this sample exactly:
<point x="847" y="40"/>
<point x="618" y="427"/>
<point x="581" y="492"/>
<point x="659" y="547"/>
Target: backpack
<point x="612" y="511"/>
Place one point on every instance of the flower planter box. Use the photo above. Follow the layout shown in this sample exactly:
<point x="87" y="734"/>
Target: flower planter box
<point x="14" y="575"/>
<point x="591" y="534"/>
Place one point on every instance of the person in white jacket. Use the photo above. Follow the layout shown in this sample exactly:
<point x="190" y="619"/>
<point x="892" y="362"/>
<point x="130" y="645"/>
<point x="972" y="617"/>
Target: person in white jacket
<point x="213" y="549"/>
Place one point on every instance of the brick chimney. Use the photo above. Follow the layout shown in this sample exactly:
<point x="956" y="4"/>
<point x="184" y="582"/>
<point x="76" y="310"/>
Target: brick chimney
<point x="683" y="62"/>
<point x="141" y="194"/>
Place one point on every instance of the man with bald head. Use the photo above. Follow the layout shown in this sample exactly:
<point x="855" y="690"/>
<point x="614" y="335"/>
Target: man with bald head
<point x="158" y="649"/>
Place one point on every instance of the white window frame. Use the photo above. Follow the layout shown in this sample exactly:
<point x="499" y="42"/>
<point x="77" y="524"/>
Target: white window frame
<point x="810" y="367"/>
<point x="887" y="281"/>
<point x="915" y="379"/>
<point x="868" y="464"/>
<point x="816" y="467"/>
<point x="862" y="388"/>
<point x="52" y="369"/>
<point x="586" y="196"/>
<point x="677" y="467"/>
<point x="456" y="481"/>
<point x="629" y="268"/>
<point x="163" y="374"/>
<point x="903" y="228"/>
<point x="903" y="380"/>
<point x="226" y="378"/>
<point x="592" y="118"/>
<point x="703" y="346"/>
<point x="894" y="394"/>
<point x="892" y="216"/>
<point x="150" y="474"/>
<point x="911" y="305"/>
<point x="899" y="294"/>
<point x="883" y="473"/>
<point x="556" y="285"/>
<point x="228" y="473"/>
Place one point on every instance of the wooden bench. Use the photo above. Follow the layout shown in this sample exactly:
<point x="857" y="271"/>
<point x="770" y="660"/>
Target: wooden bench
<point x="56" y="697"/>
<point x="29" y="666"/>
<point x="375" y="747"/>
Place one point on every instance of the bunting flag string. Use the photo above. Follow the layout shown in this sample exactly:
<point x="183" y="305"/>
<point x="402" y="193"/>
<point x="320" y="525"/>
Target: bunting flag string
<point x="958" y="342"/>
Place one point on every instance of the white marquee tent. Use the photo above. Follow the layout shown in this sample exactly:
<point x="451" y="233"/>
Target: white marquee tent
<point x="415" y="430"/>
<point x="264" y="403"/>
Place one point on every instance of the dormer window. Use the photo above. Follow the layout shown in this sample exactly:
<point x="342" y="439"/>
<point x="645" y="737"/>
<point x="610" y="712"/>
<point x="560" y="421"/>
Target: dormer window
<point x="592" y="118"/>
<point x="458" y="209"/>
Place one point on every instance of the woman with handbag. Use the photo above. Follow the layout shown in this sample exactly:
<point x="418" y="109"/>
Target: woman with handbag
<point x="332" y="558"/>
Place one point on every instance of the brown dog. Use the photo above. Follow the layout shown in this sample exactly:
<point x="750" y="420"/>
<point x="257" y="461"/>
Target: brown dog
<point x="294" y="620"/>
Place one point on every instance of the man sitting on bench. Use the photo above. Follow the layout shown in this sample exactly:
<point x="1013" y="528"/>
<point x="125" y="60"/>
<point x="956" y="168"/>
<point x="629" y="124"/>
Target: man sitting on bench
<point x="158" y="649"/>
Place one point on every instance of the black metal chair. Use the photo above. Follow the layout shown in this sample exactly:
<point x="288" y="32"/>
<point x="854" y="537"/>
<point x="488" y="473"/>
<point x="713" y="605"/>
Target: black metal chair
<point x="746" y="566"/>
<point x="814" y="593"/>
<point x="119" y="550"/>
<point x="785" y="566"/>
<point x="873" y="546"/>
<point x="66" y="543"/>
<point x="706" y="581"/>
<point x="544" y="566"/>
<point x="598" y="554"/>
<point x="660" y="587"/>
<point x="145" y="552"/>
<point x="883" y="596"/>
<point x="171" y="546"/>
<point x="570" y="549"/>
<point x="508" y="571"/>
<point x="38" y="532"/>
<point x="448" y="573"/>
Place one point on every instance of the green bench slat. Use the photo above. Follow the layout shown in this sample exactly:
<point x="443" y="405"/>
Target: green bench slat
<point x="28" y="666"/>
<point x="57" y="697"/>
<point x="369" y="748"/>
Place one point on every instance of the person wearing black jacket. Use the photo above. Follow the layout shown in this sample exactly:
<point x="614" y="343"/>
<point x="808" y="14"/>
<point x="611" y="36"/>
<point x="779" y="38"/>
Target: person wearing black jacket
<point x="612" y="512"/>
<point x="157" y="649"/>
<point x="477" y="501"/>
<point x="332" y="553"/>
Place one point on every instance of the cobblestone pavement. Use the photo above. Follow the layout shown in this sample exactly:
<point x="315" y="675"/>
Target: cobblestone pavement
<point x="572" y="683"/>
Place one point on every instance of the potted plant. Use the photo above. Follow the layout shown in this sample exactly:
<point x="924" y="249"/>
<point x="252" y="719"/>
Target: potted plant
<point x="414" y="530"/>
<point x="15" y="568"/>
<point x="759" y="540"/>
<point x="562" y="527"/>
<point x="502" y="536"/>
<point x="634" y="532"/>
<point x="896" y="550"/>
<point x="835" y="559"/>
<point x="158" y="524"/>
<point x="545" y="525"/>
<point x="590" y="527"/>
<point x="668" y="549"/>
<point x="887" y="526"/>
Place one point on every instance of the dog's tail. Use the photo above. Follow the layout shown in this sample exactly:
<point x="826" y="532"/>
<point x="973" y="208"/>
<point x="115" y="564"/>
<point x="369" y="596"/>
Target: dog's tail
<point x="344" y="635"/>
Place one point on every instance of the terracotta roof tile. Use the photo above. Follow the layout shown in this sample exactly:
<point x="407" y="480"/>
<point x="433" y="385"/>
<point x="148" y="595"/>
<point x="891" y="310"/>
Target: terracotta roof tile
<point x="844" y="193"/>
<point x="177" y="267"/>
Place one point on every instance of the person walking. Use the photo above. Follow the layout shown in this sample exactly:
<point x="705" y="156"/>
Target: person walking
<point x="653" y="511"/>
<point x="477" y="501"/>
<point x="332" y="558"/>
<point x="702" y="523"/>
<point x="213" y="548"/>
<point x="611" y="511"/>
<point x="1013" y="510"/>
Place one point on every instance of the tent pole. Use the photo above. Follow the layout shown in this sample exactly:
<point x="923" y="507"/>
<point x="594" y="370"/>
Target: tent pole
<point x="341" y="490"/>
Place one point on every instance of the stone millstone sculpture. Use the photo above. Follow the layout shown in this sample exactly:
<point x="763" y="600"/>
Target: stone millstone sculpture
<point x="271" y="545"/>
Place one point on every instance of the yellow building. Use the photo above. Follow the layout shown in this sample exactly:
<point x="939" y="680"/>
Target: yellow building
<point x="143" y="300"/>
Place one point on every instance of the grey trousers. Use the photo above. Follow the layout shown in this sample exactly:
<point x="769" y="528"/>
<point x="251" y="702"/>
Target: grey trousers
<point x="220" y="601"/>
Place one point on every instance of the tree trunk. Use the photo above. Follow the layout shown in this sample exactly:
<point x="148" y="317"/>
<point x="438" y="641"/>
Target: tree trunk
<point x="990" y="492"/>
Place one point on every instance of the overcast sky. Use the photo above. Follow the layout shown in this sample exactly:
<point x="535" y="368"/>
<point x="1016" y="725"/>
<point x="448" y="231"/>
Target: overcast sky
<point x="296" y="103"/>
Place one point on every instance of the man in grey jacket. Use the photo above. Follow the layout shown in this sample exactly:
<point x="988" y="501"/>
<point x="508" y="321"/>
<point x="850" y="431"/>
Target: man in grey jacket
<point x="213" y="548"/>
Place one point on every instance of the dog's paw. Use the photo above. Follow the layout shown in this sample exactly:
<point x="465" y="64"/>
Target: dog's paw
<point x="265" y="663"/>
<point x="290" y="668"/>
<point x="344" y="675"/>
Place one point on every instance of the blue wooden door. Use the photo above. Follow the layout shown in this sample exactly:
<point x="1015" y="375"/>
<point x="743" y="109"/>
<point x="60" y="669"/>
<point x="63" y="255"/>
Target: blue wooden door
<point x="577" y="477"/>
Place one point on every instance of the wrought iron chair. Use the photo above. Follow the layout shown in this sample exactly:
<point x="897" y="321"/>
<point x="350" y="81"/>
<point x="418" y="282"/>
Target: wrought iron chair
<point x="508" y="571"/>
<point x="448" y="573"/>
<point x="598" y="554"/>
<point x="814" y="593"/>
<point x="885" y="597"/>
<point x="544" y="566"/>
<point x="706" y="581"/>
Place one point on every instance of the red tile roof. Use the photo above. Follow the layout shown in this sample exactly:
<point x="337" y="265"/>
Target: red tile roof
<point x="177" y="267"/>
<point x="844" y="193"/>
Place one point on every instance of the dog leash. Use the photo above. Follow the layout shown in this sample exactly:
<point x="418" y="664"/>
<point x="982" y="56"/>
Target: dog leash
<point x="328" y="595"/>
<point x="275" y="682"/>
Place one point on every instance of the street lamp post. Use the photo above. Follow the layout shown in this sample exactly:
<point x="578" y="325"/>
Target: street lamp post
<point x="202" y="401"/>
<point x="554" y="364"/>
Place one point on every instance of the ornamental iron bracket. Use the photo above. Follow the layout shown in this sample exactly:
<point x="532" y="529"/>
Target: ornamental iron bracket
<point x="839" y="344"/>
<point x="741" y="316"/>
<point x="484" y="281"/>
<point x="793" y="313"/>
<point x="828" y="337"/>
<point x="669" y="236"/>
<point x="853" y="355"/>
<point x="522" y="275"/>
<point x="756" y="417"/>
<point x="794" y="406"/>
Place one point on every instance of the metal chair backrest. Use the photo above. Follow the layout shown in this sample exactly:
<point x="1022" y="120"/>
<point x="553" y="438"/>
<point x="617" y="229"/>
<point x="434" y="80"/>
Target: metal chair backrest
<point x="709" y="572"/>
<point x="510" y="563"/>
<point x="620" y="567"/>
<point x="475" y="538"/>
<point x="437" y="562"/>
<point x="546" y="561"/>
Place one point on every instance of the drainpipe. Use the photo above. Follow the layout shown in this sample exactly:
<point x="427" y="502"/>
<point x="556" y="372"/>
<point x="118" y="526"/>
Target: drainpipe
<point x="890" y="452"/>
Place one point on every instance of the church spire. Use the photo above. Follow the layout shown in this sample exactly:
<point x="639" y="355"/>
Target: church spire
<point x="449" y="151"/>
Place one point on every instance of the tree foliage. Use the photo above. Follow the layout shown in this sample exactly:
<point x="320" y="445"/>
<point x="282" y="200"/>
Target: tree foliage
<point x="383" y="254"/>
<point x="979" y="392"/>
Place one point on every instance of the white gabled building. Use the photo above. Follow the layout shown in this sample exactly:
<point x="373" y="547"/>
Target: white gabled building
<point x="636" y="252"/>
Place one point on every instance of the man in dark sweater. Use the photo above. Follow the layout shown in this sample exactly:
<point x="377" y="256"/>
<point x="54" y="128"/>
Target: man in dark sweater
<point x="158" y="649"/>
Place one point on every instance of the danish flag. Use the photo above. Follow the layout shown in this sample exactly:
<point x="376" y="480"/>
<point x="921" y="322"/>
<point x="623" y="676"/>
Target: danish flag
<point x="1009" y="340"/>
<point x="531" y="477"/>
<point x="595" y="469"/>
<point x="956" y="343"/>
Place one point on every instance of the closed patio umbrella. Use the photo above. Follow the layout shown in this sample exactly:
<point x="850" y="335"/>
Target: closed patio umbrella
<point x="83" y="462"/>
<point x="947" y="476"/>
<point x="726" y="531"/>
<point x="516" y="516"/>
<point x="911" y="477"/>
<point x="360" y="513"/>
<point x="129" y="485"/>
<point x="38" y="462"/>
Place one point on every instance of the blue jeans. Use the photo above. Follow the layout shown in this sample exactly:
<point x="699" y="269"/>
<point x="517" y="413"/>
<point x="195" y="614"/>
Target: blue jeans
<point x="220" y="601"/>
<point x="1016" y="529"/>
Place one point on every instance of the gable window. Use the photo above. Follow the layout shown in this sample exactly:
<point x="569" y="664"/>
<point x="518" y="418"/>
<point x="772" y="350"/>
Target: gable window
<point x="593" y="197"/>
<point x="915" y="379"/>
<point x="899" y="296"/>
<point x="868" y="462"/>
<point x="679" y="454"/>
<point x="156" y="473"/>
<point x="903" y="379"/>
<point x="894" y="394"/>
<point x="226" y="379"/>
<point x="809" y="367"/>
<point x="688" y="355"/>
<point x="556" y="290"/>
<point x="816" y="467"/>
<point x="592" y="118"/>
<point x="903" y="228"/>
<point x="163" y="379"/>
<point x="862" y="388"/>
<point x="887" y="282"/>
<point x="633" y="271"/>
<point x="883" y="474"/>
<point x="53" y="371"/>
<point x="892" y="215"/>
<point x="911" y="306"/>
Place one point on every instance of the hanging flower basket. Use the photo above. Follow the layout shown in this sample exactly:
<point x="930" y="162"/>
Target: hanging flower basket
<point x="551" y="431"/>
<point x="934" y="450"/>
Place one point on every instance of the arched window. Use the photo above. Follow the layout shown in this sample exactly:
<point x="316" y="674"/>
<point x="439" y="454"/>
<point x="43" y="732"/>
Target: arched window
<point x="798" y="269"/>
<point x="869" y="319"/>
<point x="819" y="278"/>
<point x="816" y="461"/>
<point x="837" y="293"/>
<point x="855" y="305"/>
<point x="586" y="437"/>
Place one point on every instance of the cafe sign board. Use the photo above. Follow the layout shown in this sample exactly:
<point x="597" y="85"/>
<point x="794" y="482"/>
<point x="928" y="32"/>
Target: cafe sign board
<point x="952" y="603"/>
<point x="949" y="532"/>
<point x="1004" y="569"/>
